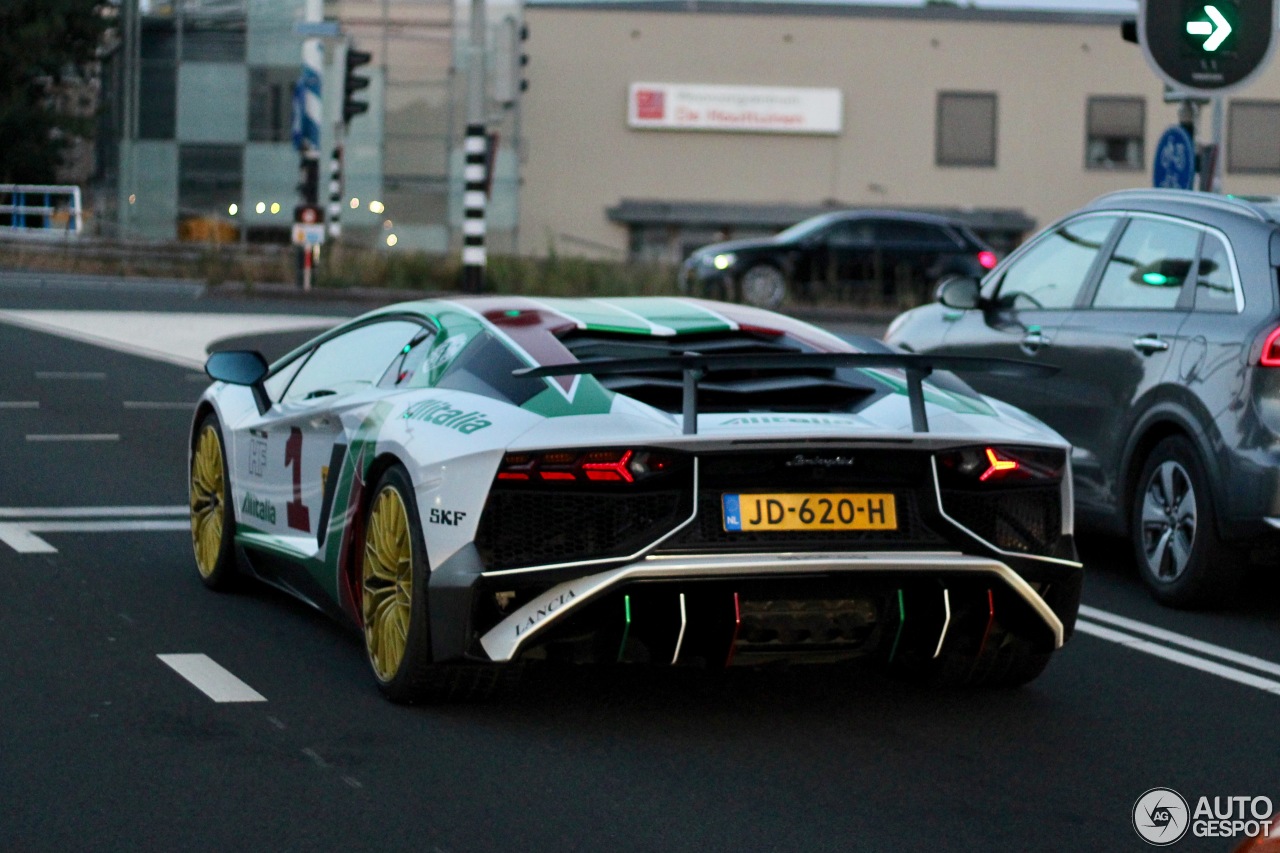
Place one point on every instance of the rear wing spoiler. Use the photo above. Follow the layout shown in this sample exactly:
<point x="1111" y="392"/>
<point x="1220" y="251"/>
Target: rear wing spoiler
<point x="695" y="365"/>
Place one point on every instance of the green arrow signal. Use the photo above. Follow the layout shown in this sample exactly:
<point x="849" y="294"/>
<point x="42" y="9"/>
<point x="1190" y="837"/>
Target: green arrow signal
<point x="1216" y="28"/>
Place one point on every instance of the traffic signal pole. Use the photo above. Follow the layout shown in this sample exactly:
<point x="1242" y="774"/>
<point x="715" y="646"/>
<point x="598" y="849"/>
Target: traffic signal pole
<point x="475" y="170"/>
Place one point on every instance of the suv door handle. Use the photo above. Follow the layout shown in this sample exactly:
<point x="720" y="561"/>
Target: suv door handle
<point x="1147" y="344"/>
<point x="1034" y="340"/>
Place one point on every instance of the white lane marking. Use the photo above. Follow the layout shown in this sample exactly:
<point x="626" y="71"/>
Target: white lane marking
<point x="19" y="534"/>
<point x="94" y="375"/>
<point x="84" y="436"/>
<point x="180" y="338"/>
<point x="17" y="537"/>
<point x="211" y="679"/>
<point x="19" y="404"/>
<point x="90" y="511"/>
<point x="152" y="406"/>
<point x="1202" y="664"/>
<point x="112" y="526"/>
<point x="1221" y="652"/>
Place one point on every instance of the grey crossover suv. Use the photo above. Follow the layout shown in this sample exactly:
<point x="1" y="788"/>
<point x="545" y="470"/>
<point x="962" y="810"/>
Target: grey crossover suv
<point x="1161" y="310"/>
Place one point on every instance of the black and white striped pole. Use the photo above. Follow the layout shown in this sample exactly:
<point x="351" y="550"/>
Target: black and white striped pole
<point x="335" y="187"/>
<point x="474" y="201"/>
<point x="476" y="162"/>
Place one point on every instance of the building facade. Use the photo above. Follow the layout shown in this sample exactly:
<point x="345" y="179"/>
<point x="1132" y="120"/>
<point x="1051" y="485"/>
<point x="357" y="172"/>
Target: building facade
<point x="648" y="128"/>
<point x="1008" y="119"/>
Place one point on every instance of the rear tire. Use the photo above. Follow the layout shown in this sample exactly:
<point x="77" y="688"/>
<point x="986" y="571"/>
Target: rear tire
<point x="213" y="518"/>
<point x="394" y="576"/>
<point x="1173" y="530"/>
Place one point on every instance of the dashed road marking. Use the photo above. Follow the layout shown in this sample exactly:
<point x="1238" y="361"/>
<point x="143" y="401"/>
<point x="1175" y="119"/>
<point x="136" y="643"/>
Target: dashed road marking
<point x="148" y="405"/>
<point x="90" y="375"/>
<point x="210" y="678"/>
<point x="19" y="404"/>
<point x="73" y="436"/>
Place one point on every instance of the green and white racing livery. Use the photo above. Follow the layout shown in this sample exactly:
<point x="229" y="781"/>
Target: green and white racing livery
<point x="478" y="483"/>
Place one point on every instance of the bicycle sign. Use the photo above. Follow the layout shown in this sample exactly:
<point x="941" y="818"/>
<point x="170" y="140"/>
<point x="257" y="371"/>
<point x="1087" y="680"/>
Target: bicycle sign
<point x="1175" y="160"/>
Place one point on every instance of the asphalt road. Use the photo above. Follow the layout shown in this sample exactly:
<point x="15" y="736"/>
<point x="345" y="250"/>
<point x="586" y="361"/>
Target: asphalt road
<point x="106" y="747"/>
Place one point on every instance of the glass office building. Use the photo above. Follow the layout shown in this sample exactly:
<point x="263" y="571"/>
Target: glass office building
<point x="197" y="144"/>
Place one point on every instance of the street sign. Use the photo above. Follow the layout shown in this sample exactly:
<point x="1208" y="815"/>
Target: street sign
<point x="1175" y="166"/>
<point x="308" y="225"/>
<point x="1207" y="47"/>
<point x="308" y="235"/>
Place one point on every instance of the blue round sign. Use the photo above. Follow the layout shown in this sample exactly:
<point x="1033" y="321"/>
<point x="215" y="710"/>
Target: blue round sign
<point x="1175" y="160"/>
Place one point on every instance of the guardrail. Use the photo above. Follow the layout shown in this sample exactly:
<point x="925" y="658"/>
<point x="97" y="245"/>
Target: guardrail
<point x="40" y="210"/>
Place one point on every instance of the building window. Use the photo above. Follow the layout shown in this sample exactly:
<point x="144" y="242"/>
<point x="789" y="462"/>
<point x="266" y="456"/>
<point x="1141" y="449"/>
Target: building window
<point x="210" y="179"/>
<point x="1252" y="142"/>
<point x="1114" y="132"/>
<point x="213" y="38"/>
<point x="157" y="80"/>
<point x="966" y="129"/>
<point x="271" y="103"/>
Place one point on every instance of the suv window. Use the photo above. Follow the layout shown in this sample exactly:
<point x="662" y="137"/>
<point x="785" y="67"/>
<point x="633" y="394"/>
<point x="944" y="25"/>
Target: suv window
<point x="351" y="361"/>
<point x="852" y="232"/>
<point x="1051" y="272"/>
<point x="1215" y="286"/>
<point x="1148" y="267"/>
<point x="912" y="233"/>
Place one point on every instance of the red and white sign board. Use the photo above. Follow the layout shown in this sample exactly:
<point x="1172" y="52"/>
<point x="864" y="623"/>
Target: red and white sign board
<point x="747" y="109"/>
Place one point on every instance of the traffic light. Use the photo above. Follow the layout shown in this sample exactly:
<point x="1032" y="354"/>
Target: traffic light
<point x="510" y="61"/>
<point x="353" y="83"/>
<point x="309" y="180"/>
<point x="1207" y="47"/>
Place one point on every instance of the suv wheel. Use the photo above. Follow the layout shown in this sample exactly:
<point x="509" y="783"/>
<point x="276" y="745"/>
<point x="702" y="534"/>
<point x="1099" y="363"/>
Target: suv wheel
<point x="763" y="286"/>
<point x="1180" y="556"/>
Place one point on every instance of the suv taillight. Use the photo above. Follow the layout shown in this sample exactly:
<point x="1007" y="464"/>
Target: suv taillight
<point x="1271" y="350"/>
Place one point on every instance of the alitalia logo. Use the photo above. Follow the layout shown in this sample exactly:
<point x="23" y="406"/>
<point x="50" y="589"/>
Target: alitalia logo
<point x="256" y="507"/>
<point x="442" y="414"/>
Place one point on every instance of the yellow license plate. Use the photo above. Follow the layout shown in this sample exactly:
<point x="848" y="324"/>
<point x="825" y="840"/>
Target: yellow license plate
<point x="817" y="511"/>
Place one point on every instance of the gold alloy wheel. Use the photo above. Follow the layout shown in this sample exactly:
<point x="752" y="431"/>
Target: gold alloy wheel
<point x="208" y="500"/>
<point x="388" y="583"/>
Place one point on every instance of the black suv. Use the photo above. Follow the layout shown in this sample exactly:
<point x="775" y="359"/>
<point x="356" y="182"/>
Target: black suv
<point x="1161" y="310"/>
<point x="885" y="255"/>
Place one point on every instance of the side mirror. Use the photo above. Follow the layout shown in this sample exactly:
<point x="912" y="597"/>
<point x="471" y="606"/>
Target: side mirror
<point x="241" y="367"/>
<point x="238" y="367"/>
<point x="960" y="291"/>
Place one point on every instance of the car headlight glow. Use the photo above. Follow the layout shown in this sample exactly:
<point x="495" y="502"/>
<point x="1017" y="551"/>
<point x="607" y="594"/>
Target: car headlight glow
<point x="724" y="260"/>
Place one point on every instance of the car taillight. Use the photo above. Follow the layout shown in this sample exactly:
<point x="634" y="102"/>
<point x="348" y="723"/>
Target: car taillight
<point x="970" y="466"/>
<point x="1271" y="350"/>
<point x="987" y="260"/>
<point x="626" y="465"/>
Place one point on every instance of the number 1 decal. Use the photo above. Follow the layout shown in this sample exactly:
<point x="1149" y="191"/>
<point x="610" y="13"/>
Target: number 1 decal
<point x="296" y="512"/>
